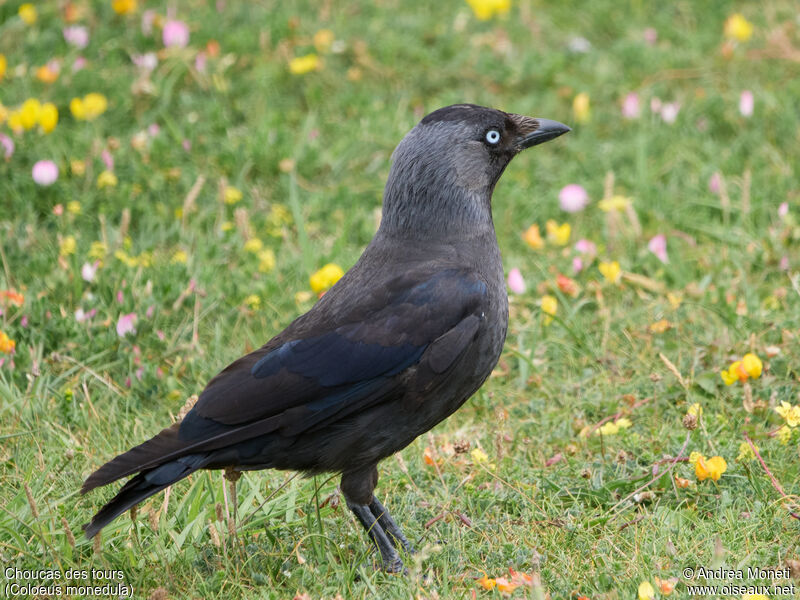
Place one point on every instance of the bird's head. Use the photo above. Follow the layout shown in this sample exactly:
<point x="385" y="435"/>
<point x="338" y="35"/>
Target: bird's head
<point x="445" y="169"/>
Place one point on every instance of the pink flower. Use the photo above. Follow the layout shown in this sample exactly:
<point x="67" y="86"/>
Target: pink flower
<point x="45" y="172"/>
<point x="658" y="246"/>
<point x="88" y="271"/>
<point x="8" y="146"/>
<point x="515" y="281"/>
<point x="80" y="63"/>
<point x="669" y="112"/>
<point x="176" y="33"/>
<point x="577" y="265"/>
<point x="573" y="198"/>
<point x="150" y="310"/>
<point x="108" y="160"/>
<point x="153" y="129"/>
<point x="715" y="183"/>
<point x="784" y="264"/>
<point x="125" y="324"/>
<point x="186" y="145"/>
<point x="23" y="321"/>
<point x="200" y="62"/>
<point x="783" y="209"/>
<point x="76" y="35"/>
<point x="586" y="247"/>
<point x="630" y="106"/>
<point x="650" y="36"/>
<point x="746" y="103"/>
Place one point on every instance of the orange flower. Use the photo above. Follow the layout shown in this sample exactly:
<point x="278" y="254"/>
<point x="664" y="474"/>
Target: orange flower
<point x="487" y="582"/>
<point x="533" y="238"/>
<point x="568" y="286"/>
<point x="11" y="297"/>
<point x="7" y="345"/>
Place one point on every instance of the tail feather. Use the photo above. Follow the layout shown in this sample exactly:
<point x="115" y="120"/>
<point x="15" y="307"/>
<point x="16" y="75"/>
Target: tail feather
<point x="144" y="456"/>
<point x="143" y="486"/>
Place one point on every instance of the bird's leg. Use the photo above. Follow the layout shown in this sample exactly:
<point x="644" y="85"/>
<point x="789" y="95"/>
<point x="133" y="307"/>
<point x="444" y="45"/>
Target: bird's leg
<point x="390" y="560"/>
<point x="389" y="525"/>
<point x="357" y="487"/>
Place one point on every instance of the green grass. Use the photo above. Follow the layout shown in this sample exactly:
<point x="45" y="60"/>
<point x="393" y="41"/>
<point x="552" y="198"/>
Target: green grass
<point x="78" y="394"/>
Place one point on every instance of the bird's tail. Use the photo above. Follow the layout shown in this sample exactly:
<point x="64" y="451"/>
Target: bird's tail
<point x="143" y="486"/>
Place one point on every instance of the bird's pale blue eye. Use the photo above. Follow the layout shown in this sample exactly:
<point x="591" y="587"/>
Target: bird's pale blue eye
<point x="493" y="136"/>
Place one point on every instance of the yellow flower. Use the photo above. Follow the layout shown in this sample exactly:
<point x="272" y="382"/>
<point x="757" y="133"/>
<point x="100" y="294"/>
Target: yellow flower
<point x="479" y="456"/>
<point x="580" y="107"/>
<point x="78" y="167"/>
<point x="253" y="245"/>
<point x="646" y="591"/>
<point x="533" y="238"/>
<point x="7" y="345"/>
<point x="123" y="7"/>
<point x="325" y="278"/>
<point x="15" y="121"/>
<point x="615" y="203"/>
<point x="89" y="107"/>
<point x="712" y="467"/>
<point x="694" y="457"/>
<point x="695" y="409"/>
<point x="610" y="270"/>
<point x="486" y="9"/>
<point x="559" y="234"/>
<point x="95" y="105"/>
<point x="752" y="365"/>
<point x="253" y="301"/>
<point x="613" y="428"/>
<point x="486" y="582"/>
<point x="106" y="179"/>
<point x="3" y="65"/>
<point x="301" y="65"/>
<point x="732" y="375"/>
<point x="745" y="452"/>
<point x="77" y="108"/>
<point x="791" y="414"/>
<point x="784" y="434"/>
<point x="27" y="12"/>
<point x="48" y="117"/>
<point x="67" y="246"/>
<point x="266" y="260"/>
<point x="549" y="308"/>
<point x="227" y="226"/>
<point x="738" y="28"/>
<point x="179" y="257"/>
<point x="231" y="195"/>
<point x="29" y="113"/>
<point x="97" y="250"/>
<point x="323" y="40"/>
<point x="74" y="207"/>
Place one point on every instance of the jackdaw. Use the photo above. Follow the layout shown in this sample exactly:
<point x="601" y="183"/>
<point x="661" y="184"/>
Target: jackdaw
<point x="396" y="346"/>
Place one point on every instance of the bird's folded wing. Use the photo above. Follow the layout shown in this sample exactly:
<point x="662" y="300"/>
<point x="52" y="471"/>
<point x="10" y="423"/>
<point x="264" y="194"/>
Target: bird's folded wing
<point x="343" y="363"/>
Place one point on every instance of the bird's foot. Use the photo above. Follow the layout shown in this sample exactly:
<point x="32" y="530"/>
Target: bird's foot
<point x="390" y="559"/>
<point x="388" y="524"/>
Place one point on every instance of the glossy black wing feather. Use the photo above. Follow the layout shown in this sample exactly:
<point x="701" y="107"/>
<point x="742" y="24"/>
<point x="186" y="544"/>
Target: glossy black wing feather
<point x="340" y="360"/>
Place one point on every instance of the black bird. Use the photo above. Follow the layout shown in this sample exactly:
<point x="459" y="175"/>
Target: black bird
<point x="396" y="346"/>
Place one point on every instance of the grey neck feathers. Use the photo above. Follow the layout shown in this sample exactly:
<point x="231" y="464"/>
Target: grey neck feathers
<point x="437" y="191"/>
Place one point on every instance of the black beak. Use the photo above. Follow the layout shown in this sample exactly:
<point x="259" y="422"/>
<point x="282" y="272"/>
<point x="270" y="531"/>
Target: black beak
<point x="546" y="131"/>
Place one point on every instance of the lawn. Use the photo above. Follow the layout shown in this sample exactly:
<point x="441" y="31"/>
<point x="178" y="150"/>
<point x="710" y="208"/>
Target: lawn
<point x="209" y="157"/>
